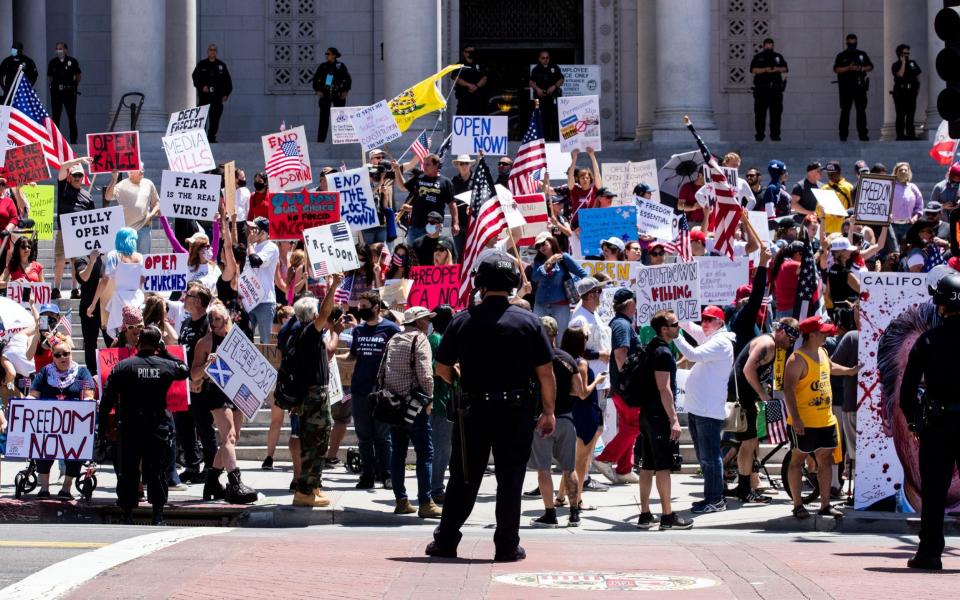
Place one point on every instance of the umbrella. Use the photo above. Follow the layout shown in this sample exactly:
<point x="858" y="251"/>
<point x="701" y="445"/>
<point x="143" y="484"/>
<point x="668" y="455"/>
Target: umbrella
<point x="680" y="169"/>
<point x="13" y="316"/>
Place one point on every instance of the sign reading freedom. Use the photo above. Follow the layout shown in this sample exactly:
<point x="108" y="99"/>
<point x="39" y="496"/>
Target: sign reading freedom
<point x="292" y="212"/>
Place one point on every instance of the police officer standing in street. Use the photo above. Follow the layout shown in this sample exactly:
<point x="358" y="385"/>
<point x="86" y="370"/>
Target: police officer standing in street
<point x="470" y="83"/>
<point x="500" y="348"/>
<point x="906" y="86"/>
<point x="9" y="66"/>
<point x="768" y="84"/>
<point x="331" y="83"/>
<point x="214" y="86"/>
<point x="546" y="81"/>
<point x="851" y="67"/>
<point x="937" y="421"/>
<point x="138" y="387"/>
<point x="63" y="75"/>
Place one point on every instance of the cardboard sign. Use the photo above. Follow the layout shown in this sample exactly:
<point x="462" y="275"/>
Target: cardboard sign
<point x="331" y="249"/>
<point x="623" y="177"/>
<point x="375" y="125"/>
<point x="114" y="151"/>
<point x="90" y="230"/>
<point x="189" y="151"/>
<point x="673" y="287"/>
<point x="178" y="396"/>
<point x="473" y="135"/>
<point x="435" y="285"/>
<point x="621" y="274"/>
<point x="533" y="209"/>
<point x="293" y="178"/>
<point x="395" y="291"/>
<point x="51" y="429"/>
<point x="189" y="195"/>
<point x="720" y="277"/>
<point x="230" y="188"/>
<point x="25" y="164"/>
<point x="357" y="204"/>
<point x="558" y="161"/>
<point x="40" y="198"/>
<point x="40" y="293"/>
<point x="874" y="201"/>
<point x="829" y="202"/>
<point x="341" y="127"/>
<point x="250" y="290"/>
<point x="656" y="220"/>
<point x="188" y="119"/>
<point x="579" y="122"/>
<point x="165" y="272"/>
<point x="292" y="212"/>
<point x="242" y="372"/>
<point x="601" y="223"/>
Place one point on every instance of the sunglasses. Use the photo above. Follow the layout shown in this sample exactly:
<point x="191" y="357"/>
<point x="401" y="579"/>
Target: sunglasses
<point x="440" y="250"/>
<point x="502" y="165"/>
<point x="61" y="354"/>
<point x="659" y="253"/>
<point x="674" y="324"/>
<point x="132" y="327"/>
<point x="77" y="176"/>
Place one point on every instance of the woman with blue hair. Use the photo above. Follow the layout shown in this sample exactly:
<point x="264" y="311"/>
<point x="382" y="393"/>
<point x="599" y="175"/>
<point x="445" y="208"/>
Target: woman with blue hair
<point x="122" y="283"/>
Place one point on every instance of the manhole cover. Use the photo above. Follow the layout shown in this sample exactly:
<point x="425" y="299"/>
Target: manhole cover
<point x="630" y="582"/>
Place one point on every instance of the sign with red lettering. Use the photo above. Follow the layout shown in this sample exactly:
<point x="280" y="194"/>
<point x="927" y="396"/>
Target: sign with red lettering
<point x="287" y="159"/>
<point x="165" y="272"/>
<point x="189" y="151"/>
<point x="533" y="208"/>
<point x="25" y="164"/>
<point x="673" y="287"/>
<point x="178" y="396"/>
<point x="292" y="212"/>
<point x="51" y="429"/>
<point x="39" y="292"/>
<point x="114" y="151"/>
<point x="435" y="285"/>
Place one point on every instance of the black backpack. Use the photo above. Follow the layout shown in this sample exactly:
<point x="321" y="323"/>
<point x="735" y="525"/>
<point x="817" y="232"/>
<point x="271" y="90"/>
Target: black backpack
<point x="632" y="377"/>
<point x="290" y="390"/>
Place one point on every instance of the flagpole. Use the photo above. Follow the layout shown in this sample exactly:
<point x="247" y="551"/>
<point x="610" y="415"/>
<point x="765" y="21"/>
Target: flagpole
<point x="513" y="243"/>
<point x="16" y="81"/>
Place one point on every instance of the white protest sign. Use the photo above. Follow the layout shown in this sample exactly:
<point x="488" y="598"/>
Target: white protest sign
<point x="90" y="230"/>
<point x="472" y="135"/>
<point x="682" y="375"/>
<point x="579" y="118"/>
<point x="558" y="161"/>
<point x="874" y="201"/>
<point x="40" y="293"/>
<point x="533" y="209"/>
<point x="341" y="127"/>
<point x="829" y="202"/>
<point x="165" y="272"/>
<point x="289" y="146"/>
<point x="375" y="125"/>
<point x="357" y="204"/>
<point x="188" y="119"/>
<point x="673" y="287"/>
<point x="621" y="274"/>
<point x="51" y="429"/>
<point x="580" y="80"/>
<point x="720" y="277"/>
<point x="331" y="249"/>
<point x="623" y="177"/>
<point x="761" y="225"/>
<point x="250" y="290"/>
<point x="511" y="209"/>
<point x="189" y="195"/>
<point x="242" y="372"/>
<point x="656" y="220"/>
<point x="189" y="151"/>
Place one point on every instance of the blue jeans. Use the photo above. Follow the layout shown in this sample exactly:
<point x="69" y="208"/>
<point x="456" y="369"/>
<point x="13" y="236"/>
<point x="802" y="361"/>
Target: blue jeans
<point x="706" y="434"/>
<point x="560" y="312"/>
<point x="419" y="434"/>
<point x="374" y="234"/>
<point x="373" y="437"/>
<point x="144" y="243"/>
<point x="261" y="318"/>
<point x="442" y="434"/>
<point x="413" y="233"/>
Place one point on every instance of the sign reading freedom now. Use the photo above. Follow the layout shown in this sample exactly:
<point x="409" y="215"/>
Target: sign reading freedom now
<point x="50" y="429"/>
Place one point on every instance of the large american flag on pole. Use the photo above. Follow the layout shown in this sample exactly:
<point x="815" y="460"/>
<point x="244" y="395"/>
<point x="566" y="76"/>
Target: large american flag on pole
<point x="30" y="123"/>
<point x="487" y="220"/>
<point x="286" y="157"/>
<point x="531" y="157"/>
<point x="681" y="246"/>
<point x="728" y="211"/>
<point x="807" y="301"/>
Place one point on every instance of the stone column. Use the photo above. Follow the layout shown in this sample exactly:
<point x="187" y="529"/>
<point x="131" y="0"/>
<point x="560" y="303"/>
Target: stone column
<point x="181" y="52"/>
<point x="138" y="48"/>
<point x="902" y="24"/>
<point x="646" y="69"/>
<point x="6" y="26"/>
<point x="30" y="28"/>
<point x="933" y="81"/>
<point x="410" y="43"/>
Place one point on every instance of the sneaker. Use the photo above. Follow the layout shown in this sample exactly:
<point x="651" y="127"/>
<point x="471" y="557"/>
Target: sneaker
<point x="647" y="520"/>
<point x="574" y="519"/>
<point x="331" y="462"/>
<point x="534" y="493"/>
<point x="177" y="487"/>
<point x="545" y="521"/>
<point x="267" y="464"/>
<point x="429" y="510"/>
<point x="64" y="495"/>
<point x="704" y="507"/>
<point x="755" y="497"/>
<point x="593" y="485"/>
<point x="630" y="477"/>
<point x="606" y="469"/>
<point x="674" y="521"/>
<point x="404" y="507"/>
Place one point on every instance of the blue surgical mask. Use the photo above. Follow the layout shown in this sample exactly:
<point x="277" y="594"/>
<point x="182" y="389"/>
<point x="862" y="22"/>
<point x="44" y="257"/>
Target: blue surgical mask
<point x="207" y="254"/>
<point x="432" y="228"/>
<point x="13" y="51"/>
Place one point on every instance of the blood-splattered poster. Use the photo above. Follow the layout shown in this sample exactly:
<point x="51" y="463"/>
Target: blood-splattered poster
<point x="894" y="310"/>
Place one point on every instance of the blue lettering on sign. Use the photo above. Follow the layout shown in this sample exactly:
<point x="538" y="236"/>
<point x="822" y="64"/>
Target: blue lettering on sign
<point x="490" y="145"/>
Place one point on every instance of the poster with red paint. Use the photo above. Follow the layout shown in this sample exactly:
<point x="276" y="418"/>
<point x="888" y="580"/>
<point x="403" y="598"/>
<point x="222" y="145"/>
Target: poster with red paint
<point x="292" y="212"/>
<point x="894" y="310"/>
<point x="435" y="285"/>
<point x="25" y="164"/>
<point x="114" y="151"/>
<point x="533" y="207"/>
<point x="673" y="287"/>
<point x="178" y="397"/>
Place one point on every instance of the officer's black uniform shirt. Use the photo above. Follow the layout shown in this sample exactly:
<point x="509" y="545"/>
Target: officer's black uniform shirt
<point x="932" y="357"/>
<point x="910" y="82"/>
<point x="544" y="77"/>
<point x="852" y="79"/>
<point x="332" y="78"/>
<point x="9" y="66"/>
<point x="64" y="73"/>
<point x="213" y="75"/>
<point x="470" y="74"/>
<point x="141" y="384"/>
<point x="498" y="346"/>
<point x="763" y="60"/>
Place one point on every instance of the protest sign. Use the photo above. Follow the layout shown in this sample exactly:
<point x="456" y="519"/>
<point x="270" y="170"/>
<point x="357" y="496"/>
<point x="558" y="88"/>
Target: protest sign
<point x="732" y="175"/>
<point x="375" y="125"/>
<point x="511" y="210"/>
<point x="165" y="272"/>
<point x="473" y="135"/>
<point x="761" y="225"/>
<point x="273" y="356"/>
<point x="621" y="178"/>
<point x="39" y="292"/>
<point x="621" y="274"/>
<point x="114" y="151"/>
<point x="533" y="209"/>
<point x="341" y="127"/>
<point x="51" y="429"/>
<point x="331" y="249"/>
<point x="874" y="202"/>
<point x="720" y="277"/>
<point x="189" y="151"/>
<point x="189" y="195"/>
<point x="894" y="311"/>
<point x="90" y="230"/>
<point x="250" y="289"/>
<point x="188" y="119"/>
<point x="278" y="149"/>
<point x="25" y="164"/>
<point x="357" y="204"/>
<point x="829" y="202"/>
<point x="579" y="123"/>
<point x="601" y="223"/>
<point x="395" y="291"/>
<point x="242" y="372"/>
<point x="230" y="188"/>
<point x="656" y="220"/>
<point x="178" y="396"/>
<point x="40" y="199"/>
<point x="435" y="285"/>
<point x="673" y="287"/>
<point x="292" y="212"/>
<point x="558" y="161"/>
<point x="682" y="376"/>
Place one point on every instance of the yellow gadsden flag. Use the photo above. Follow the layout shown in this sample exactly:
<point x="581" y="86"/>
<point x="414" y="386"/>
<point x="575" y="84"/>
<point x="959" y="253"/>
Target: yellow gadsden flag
<point x="420" y="99"/>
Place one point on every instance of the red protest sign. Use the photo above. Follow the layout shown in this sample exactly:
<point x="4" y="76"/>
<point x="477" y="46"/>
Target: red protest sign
<point x="178" y="397"/>
<point x="114" y="151"/>
<point x="292" y="212"/>
<point x="435" y="285"/>
<point x="25" y="164"/>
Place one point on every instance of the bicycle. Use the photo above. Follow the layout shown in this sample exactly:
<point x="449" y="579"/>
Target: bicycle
<point x="808" y="478"/>
<point x="729" y="450"/>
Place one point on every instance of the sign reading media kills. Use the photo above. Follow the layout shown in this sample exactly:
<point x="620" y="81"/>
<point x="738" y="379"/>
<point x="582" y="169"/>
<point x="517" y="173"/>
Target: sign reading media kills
<point x="189" y="195"/>
<point x="189" y="151"/>
<point x="51" y="429"/>
<point x="90" y="230"/>
<point x="114" y="151"/>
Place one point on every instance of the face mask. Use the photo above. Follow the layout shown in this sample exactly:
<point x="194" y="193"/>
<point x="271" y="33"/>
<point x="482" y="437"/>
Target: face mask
<point x="365" y="314"/>
<point x="430" y="329"/>
<point x="13" y="51"/>
<point x="60" y="53"/>
<point x="259" y="186"/>
<point x="851" y="45"/>
<point x="432" y="228"/>
<point x="207" y="254"/>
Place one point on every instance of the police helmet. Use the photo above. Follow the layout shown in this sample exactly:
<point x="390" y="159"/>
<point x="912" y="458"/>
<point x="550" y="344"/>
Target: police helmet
<point x="934" y="276"/>
<point x="497" y="272"/>
<point x="948" y="292"/>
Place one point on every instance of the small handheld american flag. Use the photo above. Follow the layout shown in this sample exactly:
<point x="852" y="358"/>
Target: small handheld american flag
<point x="421" y="146"/>
<point x="681" y="246"/>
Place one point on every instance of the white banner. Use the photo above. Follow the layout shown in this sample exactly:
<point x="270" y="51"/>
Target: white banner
<point x="189" y="151"/>
<point x="673" y="287"/>
<point x="165" y="272"/>
<point x="242" y="372"/>
<point x="90" y="230"/>
<point x="558" y="161"/>
<point x="357" y="204"/>
<point x="294" y="178"/>
<point x="829" y="202"/>
<point x="188" y="119"/>
<point x="40" y="293"/>
<point x="51" y="429"/>
<point x="375" y="125"/>
<point x="250" y="290"/>
<point x="656" y="220"/>
<point x="579" y="123"/>
<point x="623" y="177"/>
<point x="341" y="127"/>
<point x="189" y="195"/>
<point x="331" y="249"/>
<point x="472" y="135"/>
<point x="720" y="277"/>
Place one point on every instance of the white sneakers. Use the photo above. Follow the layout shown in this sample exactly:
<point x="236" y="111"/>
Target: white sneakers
<point x="607" y="470"/>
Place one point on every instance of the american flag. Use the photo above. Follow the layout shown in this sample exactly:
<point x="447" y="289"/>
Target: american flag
<point x="64" y="323"/>
<point x="445" y="146"/>
<point x="728" y="211"/>
<point x="343" y="293"/>
<point x="286" y="157"/>
<point x="30" y="123"/>
<point x="807" y="301"/>
<point x="776" y="422"/>
<point x="484" y="227"/>
<point x="481" y="187"/>
<point x="681" y="246"/>
<point x="531" y="156"/>
<point x="421" y="146"/>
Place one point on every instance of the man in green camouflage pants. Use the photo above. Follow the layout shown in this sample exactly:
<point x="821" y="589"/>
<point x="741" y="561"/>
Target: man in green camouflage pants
<point x="315" y="424"/>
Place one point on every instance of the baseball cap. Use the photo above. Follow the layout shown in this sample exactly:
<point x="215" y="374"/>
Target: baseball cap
<point x="786" y="222"/>
<point x="841" y="244"/>
<point x="261" y="223"/>
<point x="49" y="308"/>
<point x="815" y="324"/>
<point x="955" y="168"/>
<point x="623" y="295"/>
<point x="77" y="168"/>
<point x="587" y="285"/>
<point x="444" y="245"/>
<point x="713" y="312"/>
<point x="497" y="272"/>
<point x="698" y="236"/>
<point x="435" y="216"/>
<point x="541" y="238"/>
<point x="832" y="167"/>
<point x="614" y="241"/>
<point x="416" y="313"/>
<point x="375" y="152"/>
<point x="933" y="207"/>
<point x="606" y="193"/>
<point x="641" y="189"/>
<point x="742" y="292"/>
<point x="813" y="166"/>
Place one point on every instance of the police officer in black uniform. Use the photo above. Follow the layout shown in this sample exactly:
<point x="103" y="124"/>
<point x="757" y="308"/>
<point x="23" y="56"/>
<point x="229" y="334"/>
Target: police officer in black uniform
<point x="546" y="81"/>
<point x="9" y="66"/>
<point x="331" y="83"/>
<point x="500" y="349"/>
<point x="63" y="75"/>
<point x="138" y="387"/>
<point x="906" y="86"/>
<point x="470" y="82"/>
<point x="214" y="86"/>
<point x="937" y="420"/>
<point x="851" y="67"/>
<point x="768" y="84"/>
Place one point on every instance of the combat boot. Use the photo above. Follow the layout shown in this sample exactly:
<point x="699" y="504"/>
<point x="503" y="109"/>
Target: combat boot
<point x="404" y="507"/>
<point x="311" y="500"/>
<point x="237" y="491"/>
<point x="212" y="488"/>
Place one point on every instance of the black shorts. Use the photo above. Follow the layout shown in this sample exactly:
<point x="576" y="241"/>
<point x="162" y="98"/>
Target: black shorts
<point x="813" y="439"/>
<point x="750" y="409"/>
<point x="655" y="444"/>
